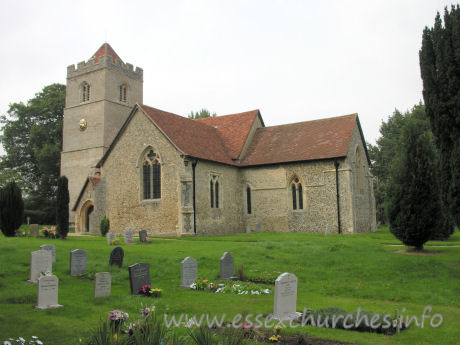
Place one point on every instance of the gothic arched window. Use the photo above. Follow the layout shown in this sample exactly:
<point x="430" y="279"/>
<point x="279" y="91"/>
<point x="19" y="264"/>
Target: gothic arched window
<point x="85" y="92"/>
<point x="151" y="176"/>
<point x="214" y="191"/>
<point x="248" y="200"/>
<point x="123" y="93"/>
<point x="297" y="194"/>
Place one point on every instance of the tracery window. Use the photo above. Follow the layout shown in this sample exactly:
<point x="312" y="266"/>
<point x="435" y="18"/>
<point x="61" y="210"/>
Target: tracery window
<point x="297" y="194"/>
<point x="85" y="92"/>
<point x="151" y="176"/>
<point x="123" y="93"/>
<point x="214" y="191"/>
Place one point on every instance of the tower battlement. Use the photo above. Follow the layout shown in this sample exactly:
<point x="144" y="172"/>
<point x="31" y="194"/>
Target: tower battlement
<point x="104" y="61"/>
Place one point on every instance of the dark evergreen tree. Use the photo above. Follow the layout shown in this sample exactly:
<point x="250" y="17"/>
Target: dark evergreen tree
<point x="11" y="209"/>
<point x="440" y="70"/>
<point x="62" y="207"/>
<point x="414" y="208"/>
<point x="200" y="114"/>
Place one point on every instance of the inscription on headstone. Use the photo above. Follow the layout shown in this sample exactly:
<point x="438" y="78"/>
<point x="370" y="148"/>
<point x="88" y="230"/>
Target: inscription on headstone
<point x="78" y="259"/>
<point x="48" y="292"/>
<point x="139" y="275"/>
<point x="143" y="236"/>
<point x="51" y="248"/>
<point x="102" y="283"/>
<point x="226" y="266"/>
<point x="110" y="237"/>
<point x="40" y="261"/>
<point x="188" y="271"/>
<point x="129" y="237"/>
<point x="285" y="296"/>
<point x="34" y="230"/>
<point x="116" y="256"/>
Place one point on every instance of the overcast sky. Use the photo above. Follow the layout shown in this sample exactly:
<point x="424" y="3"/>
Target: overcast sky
<point x="293" y="60"/>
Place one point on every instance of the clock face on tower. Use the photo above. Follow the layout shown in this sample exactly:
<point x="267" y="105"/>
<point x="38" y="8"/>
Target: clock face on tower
<point x="83" y="124"/>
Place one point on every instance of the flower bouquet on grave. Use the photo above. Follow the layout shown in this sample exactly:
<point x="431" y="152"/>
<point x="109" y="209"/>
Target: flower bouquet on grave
<point x="147" y="290"/>
<point x="117" y="318"/>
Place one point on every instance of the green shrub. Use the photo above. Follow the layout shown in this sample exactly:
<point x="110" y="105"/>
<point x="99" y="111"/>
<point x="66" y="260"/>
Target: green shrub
<point x="104" y="227"/>
<point x="11" y="209"/>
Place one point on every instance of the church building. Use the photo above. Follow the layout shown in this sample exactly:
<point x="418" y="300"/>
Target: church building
<point x="146" y="168"/>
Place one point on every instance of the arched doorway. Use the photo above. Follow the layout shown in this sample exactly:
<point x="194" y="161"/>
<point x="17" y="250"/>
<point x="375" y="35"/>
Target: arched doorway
<point x="86" y="215"/>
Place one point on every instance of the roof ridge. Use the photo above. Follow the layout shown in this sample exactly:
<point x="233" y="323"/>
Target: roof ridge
<point x="309" y="121"/>
<point x="235" y="114"/>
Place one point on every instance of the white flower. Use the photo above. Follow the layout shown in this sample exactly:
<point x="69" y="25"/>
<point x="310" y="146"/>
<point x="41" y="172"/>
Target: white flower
<point x="38" y="342"/>
<point x="193" y="286"/>
<point x="34" y="337"/>
<point x="266" y="291"/>
<point x="7" y="342"/>
<point x="22" y="340"/>
<point x="253" y="292"/>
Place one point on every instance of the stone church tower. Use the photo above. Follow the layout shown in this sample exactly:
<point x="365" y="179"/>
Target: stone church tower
<point x="100" y="94"/>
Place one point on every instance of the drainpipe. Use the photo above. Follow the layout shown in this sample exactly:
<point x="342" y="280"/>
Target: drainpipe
<point x="194" y="163"/>
<point x="336" y="164"/>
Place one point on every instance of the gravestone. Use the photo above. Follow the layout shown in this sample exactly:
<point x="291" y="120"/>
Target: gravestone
<point x="110" y="237"/>
<point x="257" y="227"/>
<point x="48" y="292"/>
<point x="40" y="261"/>
<point x="143" y="236"/>
<point x="188" y="271"/>
<point x="248" y="229"/>
<point x="116" y="256"/>
<point x="226" y="266"/>
<point x="285" y="297"/>
<point x="129" y="237"/>
<point x="102" y="283"/>
<point x="34" y="230"/>
<point x="51" y="248"/>
<point x="139" y="275"/>
<point x="78" y="259"/>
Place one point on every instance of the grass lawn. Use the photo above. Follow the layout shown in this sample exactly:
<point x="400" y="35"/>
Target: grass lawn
<point x="346" y="271"/>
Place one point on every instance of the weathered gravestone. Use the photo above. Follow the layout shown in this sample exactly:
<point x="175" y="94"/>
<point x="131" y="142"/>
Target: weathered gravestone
<point x="139" y="275"/>
<point x="102" y="283"/>
<point x="78" y="259"/>
<point x="285" y="297"/>
<point x="257" y="227"/>
<point x="34" y="230"/>
<point x="188" y="271"/>
<point x="129" y="237"/>
<point x="40" y="261"/>
<point x="51" y="248"/>
<point x="226" y="266"/>
<point x="248" y="229"/>
<point x="48" y="292"/>
<point x="143" y="236"/>
<point x="110" y="237"/>
<point x="116" y="256"/>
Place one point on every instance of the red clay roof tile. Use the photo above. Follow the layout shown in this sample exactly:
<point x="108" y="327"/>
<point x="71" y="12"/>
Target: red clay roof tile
<point x="106" y="49"/>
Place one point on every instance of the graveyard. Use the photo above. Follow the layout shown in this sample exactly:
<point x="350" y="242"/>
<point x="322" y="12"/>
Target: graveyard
<point x="60" y="293"/>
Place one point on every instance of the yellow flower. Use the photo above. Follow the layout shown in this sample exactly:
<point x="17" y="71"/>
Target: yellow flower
<point x="274" y="338"/>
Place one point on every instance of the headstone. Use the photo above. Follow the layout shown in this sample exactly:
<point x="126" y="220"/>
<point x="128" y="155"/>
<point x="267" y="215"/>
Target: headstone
<point x="116" y="256"/>
<point x="102" y="283"/>
<point x="51" y="248"/>
<point x="285" y="296"/>
<point x="48" y="292"/>
<point x="143" y="236"/>
<point x="78" y="259"/>
<point x="129" y="237"/>
<point x="40" y="261"/>
<point x="226" y="266"/>
<point x="110" y="237"/>
<point x="248" y="229"/>
<point x="257" y="227"/>
<point x="139" y="275"/>
<point x="188" y="271"/>
<point x="34" y="230"/>
<point x="28" y="220"/>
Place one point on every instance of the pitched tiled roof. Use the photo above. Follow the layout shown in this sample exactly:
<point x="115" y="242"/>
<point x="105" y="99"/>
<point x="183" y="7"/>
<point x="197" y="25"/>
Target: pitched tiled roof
<point x="303" y="141"/>
<point x="106" y="49"/>
<point x="194" y="138"/>
<point x="234" y="129"/>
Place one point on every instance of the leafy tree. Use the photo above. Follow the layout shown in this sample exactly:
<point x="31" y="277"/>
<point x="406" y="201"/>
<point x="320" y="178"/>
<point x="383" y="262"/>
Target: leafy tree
<point x="62" y="207"/>
<point x="104" y="226"/>
<point x="440" y="70"/>
<point x="11" y="209"/>
<point x="200" y="114"/>
<point x="414" y="206"/>
<point x="32" y="140"/>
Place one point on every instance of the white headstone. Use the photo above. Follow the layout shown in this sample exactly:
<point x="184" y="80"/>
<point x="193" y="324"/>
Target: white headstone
<point x="102" y="283"/>
<point x="51" y="248"/>
<point x="188" y="271"/>
<point x="110" y="237"/>
<point x="78" y="259"/>
<point x="40" y="261"/>
<point x="226" y="266"/>
<point x="285" y="296"/>
<point x="48" y="292"/>
<point x="129" y="237"/>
